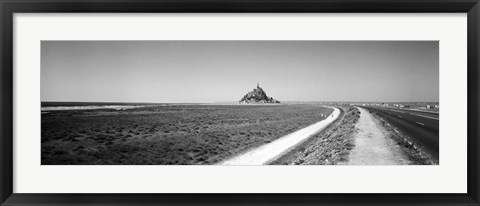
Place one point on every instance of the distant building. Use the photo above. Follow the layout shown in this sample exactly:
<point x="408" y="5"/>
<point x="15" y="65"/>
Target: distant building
<point x="258" y="95"/>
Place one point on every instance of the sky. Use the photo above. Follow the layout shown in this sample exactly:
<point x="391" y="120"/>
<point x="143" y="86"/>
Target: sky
<point x="217" y="71"/>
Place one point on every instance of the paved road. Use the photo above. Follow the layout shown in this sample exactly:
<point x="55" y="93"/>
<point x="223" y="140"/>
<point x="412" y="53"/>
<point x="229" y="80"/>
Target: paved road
<point x="269" y="152"/>
<point x="422" y="127"/>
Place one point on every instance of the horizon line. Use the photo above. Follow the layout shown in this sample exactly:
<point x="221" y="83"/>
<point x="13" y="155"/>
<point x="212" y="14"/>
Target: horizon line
<point x="228" y="102"/>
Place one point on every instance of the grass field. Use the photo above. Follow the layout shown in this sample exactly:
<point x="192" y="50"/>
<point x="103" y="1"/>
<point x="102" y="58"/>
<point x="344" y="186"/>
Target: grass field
<point x="168" y="134"/>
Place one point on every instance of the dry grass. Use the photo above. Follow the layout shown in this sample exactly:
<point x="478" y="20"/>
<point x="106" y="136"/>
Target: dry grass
<point x="329" y="146"/>
<point x="161" y="135"/>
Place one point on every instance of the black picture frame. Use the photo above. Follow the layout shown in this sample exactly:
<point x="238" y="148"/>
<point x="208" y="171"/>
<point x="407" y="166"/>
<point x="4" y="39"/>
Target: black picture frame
<point x="9" y="7"/>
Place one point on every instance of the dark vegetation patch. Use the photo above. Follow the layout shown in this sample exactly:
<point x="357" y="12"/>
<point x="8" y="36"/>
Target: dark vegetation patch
<point x="329" y="146"/>
<point x="171" y="134"/>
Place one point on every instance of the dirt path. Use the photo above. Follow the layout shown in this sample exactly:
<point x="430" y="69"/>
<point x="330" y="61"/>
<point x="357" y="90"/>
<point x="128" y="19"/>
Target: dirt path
<point x="271" y="151"/>
<point x="372" y="145"/>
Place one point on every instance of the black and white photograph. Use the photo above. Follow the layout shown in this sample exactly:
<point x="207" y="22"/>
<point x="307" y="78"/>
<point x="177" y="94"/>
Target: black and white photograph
<point x="239" y="102"/>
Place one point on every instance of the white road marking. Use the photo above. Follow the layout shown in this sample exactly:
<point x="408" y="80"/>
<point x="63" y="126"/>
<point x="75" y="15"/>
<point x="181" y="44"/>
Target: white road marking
<point x="414" y="114"/>
<point x="420" y="123"/>
<point x="398" y="111"/>
<point x="424" y="116"/>
<point x="269" y="152"/>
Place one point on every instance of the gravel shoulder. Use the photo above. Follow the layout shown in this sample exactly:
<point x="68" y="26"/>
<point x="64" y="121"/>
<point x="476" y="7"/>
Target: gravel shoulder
<point x="372" y="145"/>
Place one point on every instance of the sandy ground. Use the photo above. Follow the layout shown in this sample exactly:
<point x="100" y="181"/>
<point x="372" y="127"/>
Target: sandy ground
<point x="372" y="145"/>
<point x="271" y="151"/>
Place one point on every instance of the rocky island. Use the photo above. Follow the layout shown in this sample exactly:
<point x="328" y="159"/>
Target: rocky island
<point x="257" y="96"/>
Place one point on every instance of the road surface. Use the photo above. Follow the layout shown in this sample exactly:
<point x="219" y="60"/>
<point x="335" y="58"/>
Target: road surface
<point x="422" y="127"/>
<point x="269" y="152"/>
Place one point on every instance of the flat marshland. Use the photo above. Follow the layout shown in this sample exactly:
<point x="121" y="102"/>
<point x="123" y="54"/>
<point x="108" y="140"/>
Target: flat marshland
<point x="167" y="134"/>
